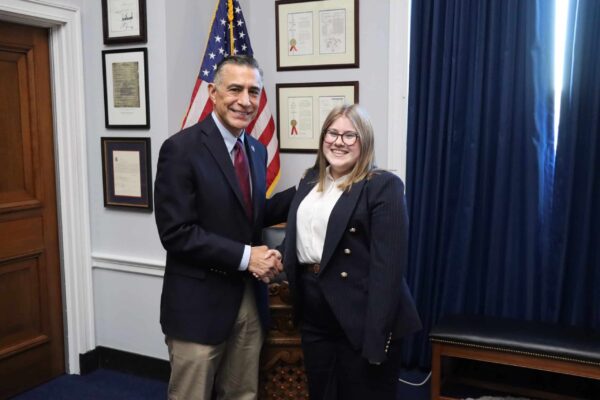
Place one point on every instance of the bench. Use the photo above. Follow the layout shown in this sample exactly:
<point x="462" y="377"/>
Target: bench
<point x="518" y="347"/>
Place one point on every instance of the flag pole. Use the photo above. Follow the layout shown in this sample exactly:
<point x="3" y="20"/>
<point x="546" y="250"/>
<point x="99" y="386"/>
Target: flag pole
<point x="230" y="18"/>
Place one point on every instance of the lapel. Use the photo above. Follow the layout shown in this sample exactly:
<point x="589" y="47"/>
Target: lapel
<point x="257" y="174"/>
<point x="338" y="220"/>
<point x="216" y="146"/>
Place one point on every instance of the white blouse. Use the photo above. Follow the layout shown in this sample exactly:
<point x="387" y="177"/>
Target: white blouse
<point x="312" y="218"/>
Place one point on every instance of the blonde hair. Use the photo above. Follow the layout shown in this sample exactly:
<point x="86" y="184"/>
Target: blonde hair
<point x="365" y="163"/>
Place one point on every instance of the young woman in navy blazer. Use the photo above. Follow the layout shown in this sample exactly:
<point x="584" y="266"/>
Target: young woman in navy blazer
<point x="345" y="258"/>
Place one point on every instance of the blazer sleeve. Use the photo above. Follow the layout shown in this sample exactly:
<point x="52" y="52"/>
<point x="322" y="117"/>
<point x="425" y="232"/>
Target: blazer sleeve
<point x="388" y="258"/>
<point x="277" y="207"/>
<point x="177" y="214"/>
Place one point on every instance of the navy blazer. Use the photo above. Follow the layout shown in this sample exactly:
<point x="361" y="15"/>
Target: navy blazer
<point x="363" y="262"/>
<point x="203" y="226"/>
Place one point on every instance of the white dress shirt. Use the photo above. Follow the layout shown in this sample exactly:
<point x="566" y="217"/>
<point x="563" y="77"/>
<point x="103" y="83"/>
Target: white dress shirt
<point x="312" y="219"/>
<point x="230" y="140"/>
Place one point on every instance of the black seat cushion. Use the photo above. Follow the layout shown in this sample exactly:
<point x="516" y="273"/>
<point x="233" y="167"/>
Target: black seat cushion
<point x="541" y="339"/>
<point x="273" y="236"/>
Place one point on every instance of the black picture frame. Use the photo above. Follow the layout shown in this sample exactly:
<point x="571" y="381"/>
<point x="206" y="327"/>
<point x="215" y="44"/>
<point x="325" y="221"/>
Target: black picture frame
<point x="124" y="21"/>
<point x="302" y="108"/>
<point x="126" y="95"/>
<point x="307" y="34"/>
<point x="127" y="172"/>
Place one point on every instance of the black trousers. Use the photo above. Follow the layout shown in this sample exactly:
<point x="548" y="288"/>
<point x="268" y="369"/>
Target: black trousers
<point x="334" y="368"/>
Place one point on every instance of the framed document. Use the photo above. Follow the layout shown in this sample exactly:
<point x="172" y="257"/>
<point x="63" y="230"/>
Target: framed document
<point x="124" y="21"/>
<point x="126" y="88"/>
<point x="126" y="172"/>
<point x="316" y="34"/>
<point x="302" y="109"/>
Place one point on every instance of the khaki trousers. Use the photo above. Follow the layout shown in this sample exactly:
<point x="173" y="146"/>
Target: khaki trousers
<point x="229" y="368"/>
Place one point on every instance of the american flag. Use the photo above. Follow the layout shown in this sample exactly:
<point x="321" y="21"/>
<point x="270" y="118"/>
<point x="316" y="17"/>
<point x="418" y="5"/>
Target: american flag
<point x="228" y="35"/>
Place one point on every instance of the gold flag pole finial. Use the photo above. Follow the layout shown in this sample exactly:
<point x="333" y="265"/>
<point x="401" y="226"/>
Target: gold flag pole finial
<point x="230" y="18"/>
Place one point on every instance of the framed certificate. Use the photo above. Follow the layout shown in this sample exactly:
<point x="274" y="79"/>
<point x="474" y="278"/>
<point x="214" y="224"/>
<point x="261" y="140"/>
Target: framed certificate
<point x="302" y="109"/>
<point x="126" y="88"/>
<point x="124" y="21"/>
<point x="316" y="34"/>
<point x="126" y="172"/>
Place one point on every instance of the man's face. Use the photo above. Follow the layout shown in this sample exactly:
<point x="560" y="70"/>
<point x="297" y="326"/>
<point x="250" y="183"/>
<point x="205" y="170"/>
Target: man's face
<point x="236" y="95"/>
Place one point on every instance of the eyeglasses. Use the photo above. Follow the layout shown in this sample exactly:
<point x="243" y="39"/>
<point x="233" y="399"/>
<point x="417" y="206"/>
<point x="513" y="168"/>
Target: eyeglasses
<point x="348" y="138"/>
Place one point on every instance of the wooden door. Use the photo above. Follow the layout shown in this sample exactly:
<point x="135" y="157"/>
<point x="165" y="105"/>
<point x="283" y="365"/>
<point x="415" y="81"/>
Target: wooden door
<point x="31" y="333"/>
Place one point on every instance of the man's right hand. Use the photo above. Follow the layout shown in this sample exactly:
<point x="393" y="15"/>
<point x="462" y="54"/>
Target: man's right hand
<point x="264" y="263"/>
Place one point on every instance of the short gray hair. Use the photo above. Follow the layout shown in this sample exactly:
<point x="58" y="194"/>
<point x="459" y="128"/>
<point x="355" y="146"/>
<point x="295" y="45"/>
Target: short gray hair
<point x="241" y="60"/>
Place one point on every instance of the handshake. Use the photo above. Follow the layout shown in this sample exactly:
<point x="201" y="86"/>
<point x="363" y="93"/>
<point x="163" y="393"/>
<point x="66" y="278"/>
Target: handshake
<point x="265" y="264"/>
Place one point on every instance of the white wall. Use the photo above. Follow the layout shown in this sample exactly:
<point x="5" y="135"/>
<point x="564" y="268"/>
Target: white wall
<point x="126" y="299"/>
<point x="114" y="231"/>
<point x="127" y="312"/>
<point x="372" y="74"/>
<point x="127" y="253"/>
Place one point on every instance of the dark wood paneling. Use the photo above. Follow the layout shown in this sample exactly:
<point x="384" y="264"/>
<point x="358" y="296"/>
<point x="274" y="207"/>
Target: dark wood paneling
<point x="21" y="325"/>
<point x="31" y="333"/>
<point x="20" y="236"/>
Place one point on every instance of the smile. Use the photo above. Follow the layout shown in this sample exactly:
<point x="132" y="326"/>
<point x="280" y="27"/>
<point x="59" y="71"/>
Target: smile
<point x="339" y="152"/>
<point x="241" y="113"/>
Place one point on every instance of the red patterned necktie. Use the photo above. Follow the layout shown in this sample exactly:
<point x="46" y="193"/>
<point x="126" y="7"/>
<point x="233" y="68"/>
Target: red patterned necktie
<point x="240" y="163"/>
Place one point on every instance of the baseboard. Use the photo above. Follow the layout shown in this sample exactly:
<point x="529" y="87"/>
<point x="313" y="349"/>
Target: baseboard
<point x="89" y="361"/>
<point x="122" y="361"/>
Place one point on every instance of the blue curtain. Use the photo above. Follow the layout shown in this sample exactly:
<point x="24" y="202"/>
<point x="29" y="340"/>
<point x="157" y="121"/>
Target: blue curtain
<point x="575" y="246"/>
<point x="480" y="156"/>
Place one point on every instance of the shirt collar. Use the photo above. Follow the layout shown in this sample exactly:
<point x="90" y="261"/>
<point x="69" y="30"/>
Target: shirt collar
<point x="329" y="178"/>
<point x="228" y="137"/>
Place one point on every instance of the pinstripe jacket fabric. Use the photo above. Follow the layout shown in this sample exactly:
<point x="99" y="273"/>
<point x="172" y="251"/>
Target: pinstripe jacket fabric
<point x="363" y="262"/>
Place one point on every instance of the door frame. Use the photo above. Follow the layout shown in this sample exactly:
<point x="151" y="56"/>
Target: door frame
<point x="68" y="106"/>
<point x="398" y="75"/>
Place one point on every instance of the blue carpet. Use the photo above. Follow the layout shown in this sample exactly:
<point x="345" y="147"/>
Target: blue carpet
<point x="100" y="384"/>
<point x="105" y="384"/>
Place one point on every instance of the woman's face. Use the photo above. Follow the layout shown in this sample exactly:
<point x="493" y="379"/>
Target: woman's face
<point x="342" y="152"/>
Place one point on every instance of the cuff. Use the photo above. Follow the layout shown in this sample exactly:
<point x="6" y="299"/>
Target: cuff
<point x="245" y="259"/>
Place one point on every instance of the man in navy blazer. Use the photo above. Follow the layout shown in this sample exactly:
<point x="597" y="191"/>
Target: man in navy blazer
<point x="214" y="309"/>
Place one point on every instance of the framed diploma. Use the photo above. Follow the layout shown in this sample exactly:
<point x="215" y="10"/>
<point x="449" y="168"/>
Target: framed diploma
<point x="124" y="21"/>
<point x="316" y="34"/>
<point x="126" y="88"/>
<point x="126" y="172"/>
<point x="302" y="109"/>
